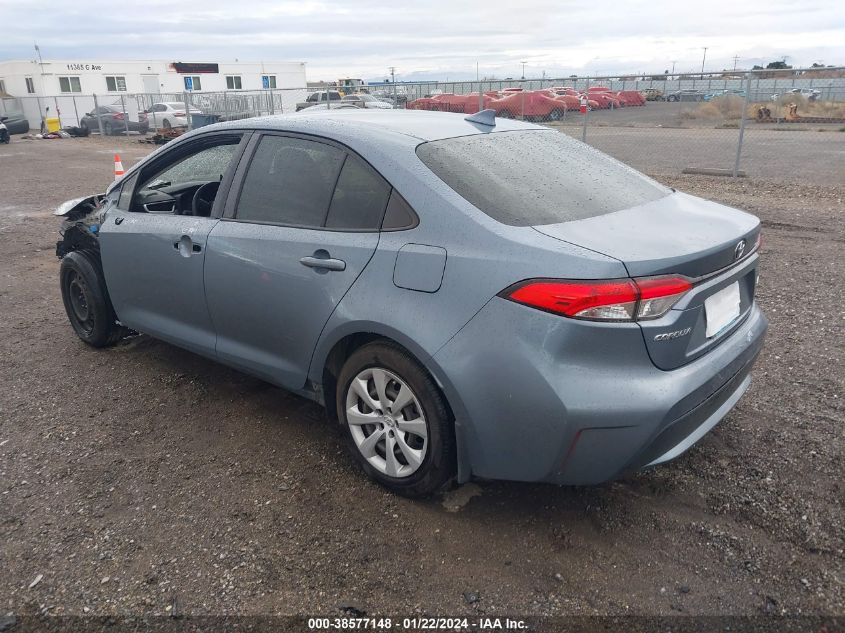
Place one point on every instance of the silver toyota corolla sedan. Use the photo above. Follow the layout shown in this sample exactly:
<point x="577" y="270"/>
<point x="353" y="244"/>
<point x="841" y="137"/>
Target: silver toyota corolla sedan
<point x="467" y="296"/>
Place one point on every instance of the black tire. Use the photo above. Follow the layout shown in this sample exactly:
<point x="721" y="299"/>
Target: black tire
<point x="439" y="463"/>
<point x="84" y="127"/>
<point x="166" y="124"/>
<point x="86" y="299"/>
<point x="107" y="128"/>
<point x="556" y="114"/>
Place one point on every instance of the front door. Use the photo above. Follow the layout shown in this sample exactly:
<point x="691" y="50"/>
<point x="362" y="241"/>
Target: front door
<point x="290" y="245"/>
<point x="153" y="243"/>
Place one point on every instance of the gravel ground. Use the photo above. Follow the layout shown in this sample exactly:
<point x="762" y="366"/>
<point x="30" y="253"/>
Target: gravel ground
<point x="143" y="476"/>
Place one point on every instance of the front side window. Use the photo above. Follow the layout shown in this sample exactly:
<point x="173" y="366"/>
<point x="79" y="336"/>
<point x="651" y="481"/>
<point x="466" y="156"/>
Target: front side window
<point x="69" y="84"/>
<point x="169" y="187"/>
<point x="206" y="165"/>
<point x="290" y="182"/>
<point x="536" y="177"/>
<point x="116" y="84"/>
<point x="233" y="82"/>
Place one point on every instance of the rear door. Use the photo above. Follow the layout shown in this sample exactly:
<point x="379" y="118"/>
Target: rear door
<point x="153" y="248"/>
<point x="298" y="231"/>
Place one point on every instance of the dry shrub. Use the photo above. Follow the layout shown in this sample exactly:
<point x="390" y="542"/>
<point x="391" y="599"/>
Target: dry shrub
<point x="723" y="107"/>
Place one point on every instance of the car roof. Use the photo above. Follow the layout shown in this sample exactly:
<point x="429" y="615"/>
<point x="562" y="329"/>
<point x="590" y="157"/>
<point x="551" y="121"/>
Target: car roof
<point x="419" y="124"/>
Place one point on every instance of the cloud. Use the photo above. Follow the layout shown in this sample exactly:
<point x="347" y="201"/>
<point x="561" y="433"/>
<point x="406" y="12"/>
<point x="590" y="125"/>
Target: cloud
<point x="436" y="37"/>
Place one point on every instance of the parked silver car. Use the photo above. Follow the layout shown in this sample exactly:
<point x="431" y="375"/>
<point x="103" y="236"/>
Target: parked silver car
<point x="467" y="296"/>
<point x="363" y="100"/>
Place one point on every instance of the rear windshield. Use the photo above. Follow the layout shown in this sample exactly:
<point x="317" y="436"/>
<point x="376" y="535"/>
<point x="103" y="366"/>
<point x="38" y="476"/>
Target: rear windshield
<point x="534" y="177"/>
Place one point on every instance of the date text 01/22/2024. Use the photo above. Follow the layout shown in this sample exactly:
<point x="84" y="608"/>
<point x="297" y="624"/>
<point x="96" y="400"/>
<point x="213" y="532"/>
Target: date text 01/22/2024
<point x="416" y="624"/>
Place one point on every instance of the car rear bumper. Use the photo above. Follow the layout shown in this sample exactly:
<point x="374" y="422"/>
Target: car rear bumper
<point x="574" y="402"/>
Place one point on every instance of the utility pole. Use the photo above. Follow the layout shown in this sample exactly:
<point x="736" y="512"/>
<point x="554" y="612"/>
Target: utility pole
<point x="393" y="81"/>
<point x="523" y="69"/>
<point x="736" y="58"/>
<point x="674" y="61"/>
<point x="704" y="57"/>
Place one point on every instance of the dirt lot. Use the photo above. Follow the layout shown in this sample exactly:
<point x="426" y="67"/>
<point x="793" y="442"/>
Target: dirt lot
<point x="142" y="475"/>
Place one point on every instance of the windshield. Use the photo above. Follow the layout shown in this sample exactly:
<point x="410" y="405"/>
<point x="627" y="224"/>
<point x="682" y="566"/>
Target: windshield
<point x="535" y="177"/>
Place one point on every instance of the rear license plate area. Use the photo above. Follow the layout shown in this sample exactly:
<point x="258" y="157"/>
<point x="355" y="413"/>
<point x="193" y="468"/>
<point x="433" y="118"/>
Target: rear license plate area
<point x="721" y="309"/>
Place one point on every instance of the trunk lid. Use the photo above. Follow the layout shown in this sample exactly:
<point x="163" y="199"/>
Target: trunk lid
<point x="709" y="243"/>
<point x="676" y="234"/>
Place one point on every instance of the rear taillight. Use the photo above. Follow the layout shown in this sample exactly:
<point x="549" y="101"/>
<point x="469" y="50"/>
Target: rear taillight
<point x="178" y="114"/>
<point x="118" y="116"/>
<point x="611" y="300"/>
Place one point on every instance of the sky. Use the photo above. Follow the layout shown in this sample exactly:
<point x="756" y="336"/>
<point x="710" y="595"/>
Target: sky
<point x="435" y="39"/>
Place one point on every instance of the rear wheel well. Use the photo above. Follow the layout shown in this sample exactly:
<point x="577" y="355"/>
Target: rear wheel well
<point x="342" y="350"/>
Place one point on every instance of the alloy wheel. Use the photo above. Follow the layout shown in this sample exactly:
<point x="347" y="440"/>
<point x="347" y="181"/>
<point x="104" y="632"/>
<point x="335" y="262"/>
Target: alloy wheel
<point x="387" y="422"/>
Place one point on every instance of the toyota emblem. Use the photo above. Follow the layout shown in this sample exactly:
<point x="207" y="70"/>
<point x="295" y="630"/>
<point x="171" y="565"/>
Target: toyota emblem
<point x="739" y="250"/>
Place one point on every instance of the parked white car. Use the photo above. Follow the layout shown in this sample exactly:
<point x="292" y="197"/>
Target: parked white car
<point x="808" y="93"/>
<point x="169" y="114"/>
<point x="362" y="100"/>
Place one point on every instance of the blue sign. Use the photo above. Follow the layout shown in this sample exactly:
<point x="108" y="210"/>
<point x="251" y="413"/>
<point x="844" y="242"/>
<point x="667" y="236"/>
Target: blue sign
<point x="189" y="83"/>
<point x="265" y="82"/>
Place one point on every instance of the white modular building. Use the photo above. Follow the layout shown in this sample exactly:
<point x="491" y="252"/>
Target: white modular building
<point x="69" y="89"/>
<point x="88" y="77"/>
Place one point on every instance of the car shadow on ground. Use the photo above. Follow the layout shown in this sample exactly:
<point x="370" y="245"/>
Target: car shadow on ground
<point x="293" y="418"/>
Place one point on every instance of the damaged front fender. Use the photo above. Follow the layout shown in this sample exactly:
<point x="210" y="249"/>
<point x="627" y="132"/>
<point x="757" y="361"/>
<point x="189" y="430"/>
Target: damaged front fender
<point x="82" y="218"/>
<point x="80" y="206"/>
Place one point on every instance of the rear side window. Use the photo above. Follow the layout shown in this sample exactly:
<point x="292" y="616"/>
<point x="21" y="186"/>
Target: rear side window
<point x="359" y="199"/>
<point x="289" y="181"/>
<point x="536" y="177"/>
<point x="399" y="214"/>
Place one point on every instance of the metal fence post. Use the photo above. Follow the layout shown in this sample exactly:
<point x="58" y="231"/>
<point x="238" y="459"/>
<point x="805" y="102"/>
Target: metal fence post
<point x="75" y="109"/>
<point x="125" y="116"/>
<point x="522" y="103"/>
<point x="586" y="111"/>
<point x="187" y="109"/>
<point x="97" y="114"/>
<point x="58" y="111"/>
<point x="742" y="125"/>
<point x="40" y="113"/>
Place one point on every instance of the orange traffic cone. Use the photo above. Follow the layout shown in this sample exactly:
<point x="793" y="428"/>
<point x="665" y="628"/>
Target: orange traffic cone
<point x="118" y="167"/>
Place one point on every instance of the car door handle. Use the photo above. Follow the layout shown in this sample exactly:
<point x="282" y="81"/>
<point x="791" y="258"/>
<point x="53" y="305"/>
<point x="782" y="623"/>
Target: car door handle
<point x="325" y="263"/>
<point x="185" y="246"/>
<point x="196" y="248"/>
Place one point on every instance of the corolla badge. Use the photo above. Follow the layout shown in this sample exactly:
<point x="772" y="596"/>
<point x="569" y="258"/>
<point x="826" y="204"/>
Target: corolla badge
<point x="739" y="249"/>
<point x="668" y="336"/>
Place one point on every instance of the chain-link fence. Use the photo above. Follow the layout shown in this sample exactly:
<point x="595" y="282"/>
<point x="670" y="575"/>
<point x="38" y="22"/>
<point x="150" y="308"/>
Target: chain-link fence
<point x="733" y="122"/>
